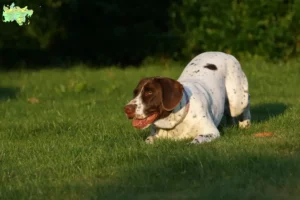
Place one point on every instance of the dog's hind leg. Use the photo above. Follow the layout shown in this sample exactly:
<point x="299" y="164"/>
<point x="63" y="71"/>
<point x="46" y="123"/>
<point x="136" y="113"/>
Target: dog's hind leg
<point x="236" y="84"/>
<point x="245" y="117"/>
<point x="229" y="120"/>
<point x="237" y="93"/>
<point x="243" y="120"/>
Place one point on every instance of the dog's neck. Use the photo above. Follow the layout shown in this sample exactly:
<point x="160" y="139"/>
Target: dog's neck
<point x="177" y="115"/>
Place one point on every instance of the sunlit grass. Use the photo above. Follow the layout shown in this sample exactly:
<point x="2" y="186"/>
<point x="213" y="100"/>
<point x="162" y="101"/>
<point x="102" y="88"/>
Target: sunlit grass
<point x="76" y="143"/>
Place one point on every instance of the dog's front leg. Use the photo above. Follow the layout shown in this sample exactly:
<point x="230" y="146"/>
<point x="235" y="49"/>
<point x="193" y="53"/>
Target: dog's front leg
<point x="157" y="133"/>
<point x="203" y="138"/>
<point x="150" y="139"/>
<point x="207" y="134"/>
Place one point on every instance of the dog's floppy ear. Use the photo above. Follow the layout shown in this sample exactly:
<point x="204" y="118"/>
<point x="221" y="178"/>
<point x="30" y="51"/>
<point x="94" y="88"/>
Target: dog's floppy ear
<point x="172" y="92"/>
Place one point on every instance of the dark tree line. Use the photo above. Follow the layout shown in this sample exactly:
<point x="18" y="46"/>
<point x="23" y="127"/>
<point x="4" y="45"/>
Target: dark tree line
<point x="104" y="32"/>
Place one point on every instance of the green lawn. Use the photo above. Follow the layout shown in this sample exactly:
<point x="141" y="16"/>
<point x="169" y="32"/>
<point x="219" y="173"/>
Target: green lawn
<point x="76" y="142"/>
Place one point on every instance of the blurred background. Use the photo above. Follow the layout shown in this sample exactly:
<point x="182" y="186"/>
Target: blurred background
<point x="128" y="32"/>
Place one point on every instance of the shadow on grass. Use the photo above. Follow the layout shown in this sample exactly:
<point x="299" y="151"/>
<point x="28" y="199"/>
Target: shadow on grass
<point x="8" y="93"/>
<point x="259" y="113"/>
<point x="263" y="112"/>
<point x="208" y="175"/>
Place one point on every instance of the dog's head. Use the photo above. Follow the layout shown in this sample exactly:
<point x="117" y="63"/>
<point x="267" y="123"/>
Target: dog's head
<point x="153" y="98"/>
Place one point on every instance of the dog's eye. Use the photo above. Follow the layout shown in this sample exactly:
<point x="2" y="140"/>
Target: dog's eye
<point x="147" y="93"/>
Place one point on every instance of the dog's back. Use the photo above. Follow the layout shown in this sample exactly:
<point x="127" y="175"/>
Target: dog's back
<point x="219" y="72"/>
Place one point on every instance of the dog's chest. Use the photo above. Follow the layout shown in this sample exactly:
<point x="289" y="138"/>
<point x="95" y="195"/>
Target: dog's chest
<point x="181" y="131"/>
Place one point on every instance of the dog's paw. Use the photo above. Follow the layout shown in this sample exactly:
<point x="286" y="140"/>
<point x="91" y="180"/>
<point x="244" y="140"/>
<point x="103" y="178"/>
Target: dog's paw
<point x="244" y="124"/>
<point x="149" y="140"/>
<point x="203" y="138"/>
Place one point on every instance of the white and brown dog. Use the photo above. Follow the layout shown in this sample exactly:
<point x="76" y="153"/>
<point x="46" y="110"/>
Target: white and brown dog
<point x="211" y="85"/>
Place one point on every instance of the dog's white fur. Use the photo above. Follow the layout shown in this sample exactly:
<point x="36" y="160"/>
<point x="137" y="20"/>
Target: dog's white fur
<point x="210" y="93"/>
<point x="139" y="111"/>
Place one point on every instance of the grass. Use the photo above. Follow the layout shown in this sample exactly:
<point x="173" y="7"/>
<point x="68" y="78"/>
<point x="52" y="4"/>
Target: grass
<point x="76" y="143"/>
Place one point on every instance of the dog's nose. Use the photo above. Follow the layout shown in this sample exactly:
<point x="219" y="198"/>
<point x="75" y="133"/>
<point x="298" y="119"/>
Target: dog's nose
<point x="130" y="109"/>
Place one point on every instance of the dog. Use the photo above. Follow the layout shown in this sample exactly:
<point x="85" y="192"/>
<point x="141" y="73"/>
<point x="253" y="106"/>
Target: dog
<point x="212" y="85"/>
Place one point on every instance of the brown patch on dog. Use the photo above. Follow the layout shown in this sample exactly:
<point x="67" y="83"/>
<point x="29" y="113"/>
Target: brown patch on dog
<point x="172" y="92"/>
<point x="159" y="95"/>
<point x="211" y="66"/>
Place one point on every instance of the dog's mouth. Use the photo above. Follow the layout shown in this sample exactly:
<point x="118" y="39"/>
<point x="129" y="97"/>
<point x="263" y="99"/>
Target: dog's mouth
<point x="145" y="122"/>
